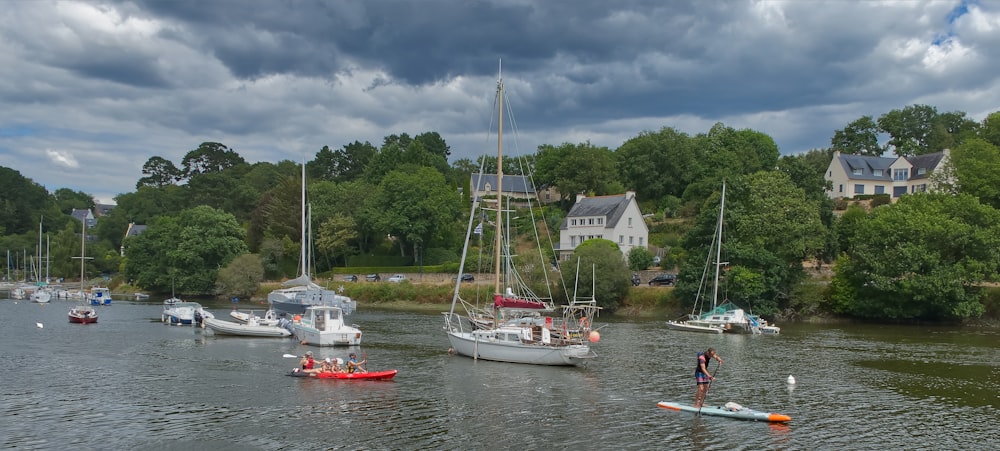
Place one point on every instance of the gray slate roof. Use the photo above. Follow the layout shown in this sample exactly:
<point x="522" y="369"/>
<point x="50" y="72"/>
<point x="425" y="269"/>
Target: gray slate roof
<point x="511" y="183"/>
<point x="868" y="165"/>
<point x="611" y="207"/>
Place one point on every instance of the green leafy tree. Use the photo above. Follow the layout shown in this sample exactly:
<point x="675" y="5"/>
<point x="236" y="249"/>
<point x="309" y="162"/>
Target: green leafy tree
<point x="159" y="172"/>
<point x="923" y="257"/>
<point x="241" y="277"/>
<point x="577" y="168"/>
<point x="185" y="251"/>
<point x="858" y="138"/>
<point x="338" y="236"/>
<point x="21" y="202"/>
<point x="639" y="259"/>
<point x="208" y="158"/>
<point x="659" y="164"/>
<point x="909" y="129"/>
<point x="414" y="205"/>
<point x="604" y="259"/>
<point x="344" y="164"/>
<point x="67" y="200"/>
<point x="975" y="170"/>
<point x="990" y="129"/>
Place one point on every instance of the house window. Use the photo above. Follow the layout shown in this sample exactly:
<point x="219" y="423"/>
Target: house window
<point x="879" y="189"/>
<point x="840" y="189"/>
<point x="640" y="241"/>
<point x="600" y="237"/>
<point x="572" y="222"/>
<point x="877" y="172"/>
<point x="600" y="221"/>
<point x="921" y="171"/>
<point x="572" y="240"/>
<point x="630" y="222"/>
<point x="631" y="240"/>
<point x="900" y="174"/>
<point x="859" y="189"/>
<point x="590" y="221"/>
<point x="858" y="171"/>
<point x="621" y="239"/>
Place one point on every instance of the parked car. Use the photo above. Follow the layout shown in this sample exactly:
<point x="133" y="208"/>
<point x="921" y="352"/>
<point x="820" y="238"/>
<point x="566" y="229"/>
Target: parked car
<point x="466" y="277"/>
<point x="373" y="278"/>
<point x="397" y="278"/>
<point x="351" y="278"/>
<point x="663" y="280"/>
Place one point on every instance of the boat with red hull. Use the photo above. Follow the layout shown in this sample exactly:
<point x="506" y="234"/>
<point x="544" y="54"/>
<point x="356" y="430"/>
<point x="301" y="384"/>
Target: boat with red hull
<point x="370" y="375"/>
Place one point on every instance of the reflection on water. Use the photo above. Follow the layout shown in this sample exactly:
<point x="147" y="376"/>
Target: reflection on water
<point x="133" y="383"/>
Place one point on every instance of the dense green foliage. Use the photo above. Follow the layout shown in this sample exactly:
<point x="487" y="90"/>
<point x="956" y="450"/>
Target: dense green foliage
<point x="217" y="223"/>
<point x="923" y="257"/>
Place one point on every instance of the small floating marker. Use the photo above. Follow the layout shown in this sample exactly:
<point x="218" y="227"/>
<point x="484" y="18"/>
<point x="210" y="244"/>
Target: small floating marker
<point x="595" y="336"/>
<point x="39" y="325"/>
<point x="791" y="380"/>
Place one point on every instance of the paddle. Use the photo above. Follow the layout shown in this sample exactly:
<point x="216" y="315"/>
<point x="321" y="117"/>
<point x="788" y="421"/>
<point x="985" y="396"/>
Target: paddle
<point x="364" y="361"/>
<point x="290" y="356"/>
<point x="709" y="387"/>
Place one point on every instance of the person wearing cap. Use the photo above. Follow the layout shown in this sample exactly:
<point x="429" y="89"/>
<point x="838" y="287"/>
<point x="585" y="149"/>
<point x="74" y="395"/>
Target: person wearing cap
<point x="354" y="366"/>
<point x="326" y="366"/>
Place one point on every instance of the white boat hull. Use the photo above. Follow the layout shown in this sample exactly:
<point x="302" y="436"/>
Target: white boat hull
<point x="487" y="345"/>
<point x="247" y="330"/>
<point x="324" y="326"/>
<point x="687" y="327"/>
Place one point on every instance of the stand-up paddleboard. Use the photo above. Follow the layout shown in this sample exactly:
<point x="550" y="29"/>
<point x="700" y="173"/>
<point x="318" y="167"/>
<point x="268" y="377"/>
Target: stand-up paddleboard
<point x="731" y="411"/>
<point x="371" y="375"/>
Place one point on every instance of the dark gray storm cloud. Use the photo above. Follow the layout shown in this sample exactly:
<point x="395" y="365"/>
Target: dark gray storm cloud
<point x="93" y="81"/>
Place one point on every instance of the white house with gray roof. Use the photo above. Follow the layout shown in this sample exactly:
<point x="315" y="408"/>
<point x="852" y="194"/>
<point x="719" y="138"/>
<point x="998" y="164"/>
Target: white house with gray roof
<point x="616" y="218"/>
<point x="855" y="175"/>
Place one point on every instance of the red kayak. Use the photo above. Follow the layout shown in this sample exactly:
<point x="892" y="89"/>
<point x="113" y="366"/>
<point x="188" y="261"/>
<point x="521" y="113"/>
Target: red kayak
<point x="371" y="375"/>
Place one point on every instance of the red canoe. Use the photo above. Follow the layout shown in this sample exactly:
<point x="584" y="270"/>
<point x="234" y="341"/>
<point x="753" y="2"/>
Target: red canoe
<point x="371" y="375"/>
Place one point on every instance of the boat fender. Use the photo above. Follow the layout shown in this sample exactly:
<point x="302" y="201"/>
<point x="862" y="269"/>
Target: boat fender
<point x="733" y="407"/>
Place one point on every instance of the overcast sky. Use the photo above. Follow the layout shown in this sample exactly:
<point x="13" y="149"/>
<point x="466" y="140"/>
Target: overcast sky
<point x="91" y="90"/>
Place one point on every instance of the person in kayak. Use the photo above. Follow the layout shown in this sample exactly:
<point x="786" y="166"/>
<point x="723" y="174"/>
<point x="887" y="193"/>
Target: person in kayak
<point x="308" y="363"/>
<point x="701" y="375"/>
<point x="353" y="366"/>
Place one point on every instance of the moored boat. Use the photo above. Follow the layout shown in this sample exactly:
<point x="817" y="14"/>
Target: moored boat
<point x="99" y="296"/>
<point x="184" y="313"/>
<point x="324" y="326"/>
<point x="250" y="329"/>
<point x="519" y="326"/>
<point x="729" y="410"/>
<point x="82" y="314"/>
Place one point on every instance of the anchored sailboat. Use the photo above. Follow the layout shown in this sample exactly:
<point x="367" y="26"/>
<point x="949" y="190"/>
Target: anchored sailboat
<point x="519" y="326"/>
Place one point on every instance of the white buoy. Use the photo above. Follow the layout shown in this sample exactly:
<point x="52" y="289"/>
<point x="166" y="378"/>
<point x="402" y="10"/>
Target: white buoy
<point x="791" y="380"/>
<point x="39" y="325"/>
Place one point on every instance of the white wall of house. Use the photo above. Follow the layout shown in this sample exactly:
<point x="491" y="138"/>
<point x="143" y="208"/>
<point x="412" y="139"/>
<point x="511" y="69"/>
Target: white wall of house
<point x="629" y="232"/>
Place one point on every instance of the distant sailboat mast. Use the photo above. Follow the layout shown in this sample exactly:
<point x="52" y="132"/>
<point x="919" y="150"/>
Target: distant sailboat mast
<point x="718" y="248"/>
<point x="498" y="239"/>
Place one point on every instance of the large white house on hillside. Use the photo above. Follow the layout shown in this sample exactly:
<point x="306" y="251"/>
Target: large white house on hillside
<point x="616" y="218"/>
<point x="855" y="175"/>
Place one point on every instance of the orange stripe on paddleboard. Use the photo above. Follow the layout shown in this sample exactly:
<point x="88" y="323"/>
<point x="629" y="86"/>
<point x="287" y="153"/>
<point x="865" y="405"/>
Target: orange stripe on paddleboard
<point x="667" y="406"/>
<point x="777" y="417"/>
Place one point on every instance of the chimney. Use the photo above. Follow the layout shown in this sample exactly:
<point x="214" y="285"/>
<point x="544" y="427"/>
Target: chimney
<point x="629" y="194"/>
<point x="580" y="197"/>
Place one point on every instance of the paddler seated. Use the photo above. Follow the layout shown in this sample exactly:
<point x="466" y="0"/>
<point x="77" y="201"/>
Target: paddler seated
<point x="308" y="363"/>
<point x="353" y="366"/>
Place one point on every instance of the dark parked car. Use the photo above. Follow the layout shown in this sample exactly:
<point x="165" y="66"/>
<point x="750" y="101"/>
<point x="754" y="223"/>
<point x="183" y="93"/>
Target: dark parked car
<point x="373" y="278"/>
<point x="467" y="277"/>
<point x="663" y="280"/>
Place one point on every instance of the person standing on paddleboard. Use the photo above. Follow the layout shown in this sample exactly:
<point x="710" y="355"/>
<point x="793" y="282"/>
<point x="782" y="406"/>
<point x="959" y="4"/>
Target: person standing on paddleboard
<point x="702" y="376"/>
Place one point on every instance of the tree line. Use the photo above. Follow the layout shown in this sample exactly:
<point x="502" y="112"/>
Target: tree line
<point x="399" y="203"/>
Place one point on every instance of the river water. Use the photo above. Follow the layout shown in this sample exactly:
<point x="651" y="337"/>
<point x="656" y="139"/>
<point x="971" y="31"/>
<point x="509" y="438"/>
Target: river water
<point x="130" y="382"/>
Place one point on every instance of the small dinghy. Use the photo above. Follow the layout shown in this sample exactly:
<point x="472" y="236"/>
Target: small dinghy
<point x="730" y="410"/>
<point x="371" y="375"/>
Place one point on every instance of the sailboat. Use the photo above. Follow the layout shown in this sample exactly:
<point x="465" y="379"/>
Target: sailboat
<point x="83" y="313"/>
<point x="519" y="326"/>
<point x="727" y="317"/>
<point x="41" y="294"/>
<point x="302" y="292"/>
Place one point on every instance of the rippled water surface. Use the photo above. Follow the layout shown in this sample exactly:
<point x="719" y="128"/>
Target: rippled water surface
<point x="130" y="382"/>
